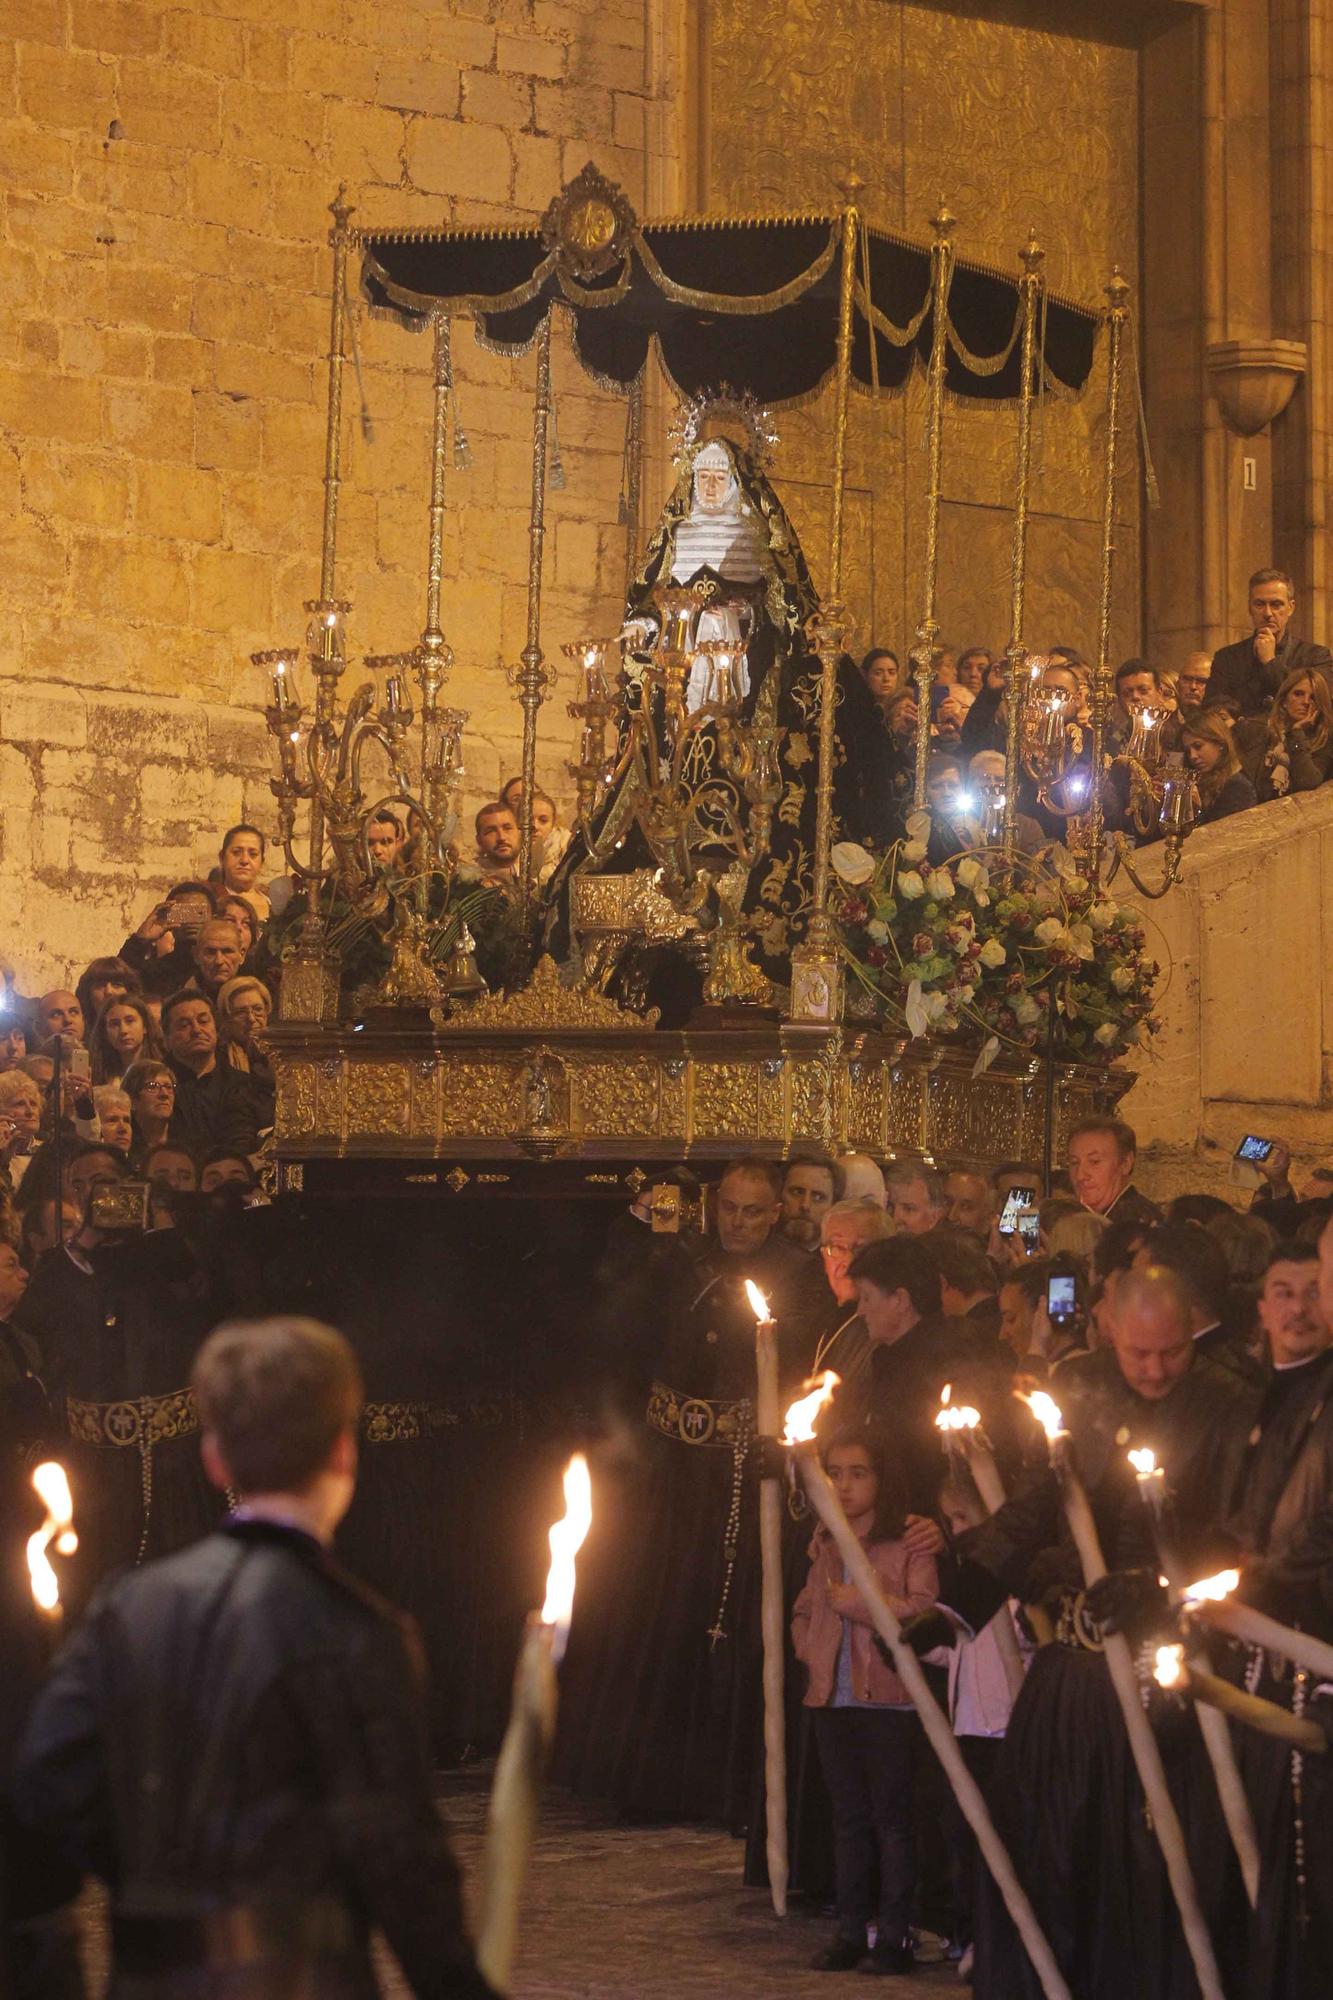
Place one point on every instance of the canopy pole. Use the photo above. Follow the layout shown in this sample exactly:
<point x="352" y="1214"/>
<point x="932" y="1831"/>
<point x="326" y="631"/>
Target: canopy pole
<point x="340" y="236"/>
<point x="1016" y="679"/>
<point x="633" y="477"/>
<point x="816" y="968"/>
<point x="432" y="636"/>
<point x="328" y="663"/>
<point x="1117" y="314"/>
<point x="928" y="631"/>
<point x="532" y="677"/>
<point x="434" y="655"/>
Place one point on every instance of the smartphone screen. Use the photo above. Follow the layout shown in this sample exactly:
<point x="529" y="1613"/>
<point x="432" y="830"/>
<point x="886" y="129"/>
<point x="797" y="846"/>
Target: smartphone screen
<point x="1017" y="1199"/>
<point x="1061" y="1298"/>
<point x="1253" y="1148"/>
<point x="1029" y="1228"/>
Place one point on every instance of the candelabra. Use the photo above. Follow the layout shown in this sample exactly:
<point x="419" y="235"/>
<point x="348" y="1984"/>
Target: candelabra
<point x="670" y="752"/>
<point x="321" y="764"/>
<point x="1177" y="810"/>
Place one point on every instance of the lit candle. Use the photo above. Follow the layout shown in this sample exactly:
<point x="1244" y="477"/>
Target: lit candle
<point x="52" y="1489"/>
<point x="1219" y="1699"/>
<point x="1120" y="1665"/>
<point x="283" y="688"/>
<point x="767" y="1415"/>
<point x="512" y="1820"/>
<point x="1211" y="1601"/>
<point x="1150" y="1478"/>
<point x="973" y="1464"/>
<point x="800" y="1436"/>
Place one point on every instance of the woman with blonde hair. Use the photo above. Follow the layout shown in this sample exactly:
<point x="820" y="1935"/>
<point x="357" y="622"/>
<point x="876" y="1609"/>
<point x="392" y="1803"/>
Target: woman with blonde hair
<point x="1210" y="753"/>
<point x="20" y="1124"/>
<point x="1291" y="748"/>
<point x="244" y="1007"/>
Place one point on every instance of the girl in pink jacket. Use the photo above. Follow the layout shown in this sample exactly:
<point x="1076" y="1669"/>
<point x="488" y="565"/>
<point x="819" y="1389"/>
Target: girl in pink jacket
<point x="866" y="1729"/>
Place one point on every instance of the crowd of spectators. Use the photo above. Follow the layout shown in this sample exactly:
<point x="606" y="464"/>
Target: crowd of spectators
<point x="1250" y="723"/>
<point x="161" y="1073"/>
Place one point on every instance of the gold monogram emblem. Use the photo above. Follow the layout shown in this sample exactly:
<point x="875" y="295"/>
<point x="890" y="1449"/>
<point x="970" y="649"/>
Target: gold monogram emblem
<point x="590" y="225"/>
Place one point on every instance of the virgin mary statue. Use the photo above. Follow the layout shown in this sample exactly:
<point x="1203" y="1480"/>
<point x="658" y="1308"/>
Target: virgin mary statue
<point x="724" y="532"/>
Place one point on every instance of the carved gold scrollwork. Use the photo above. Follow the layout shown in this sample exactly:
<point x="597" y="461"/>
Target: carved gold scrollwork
<point x="377" y="1099"/>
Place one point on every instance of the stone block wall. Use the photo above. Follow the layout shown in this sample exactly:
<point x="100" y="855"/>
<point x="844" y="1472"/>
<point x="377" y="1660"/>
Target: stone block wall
<point x="1247" y="1042"/>
<point x="164" y="273"/>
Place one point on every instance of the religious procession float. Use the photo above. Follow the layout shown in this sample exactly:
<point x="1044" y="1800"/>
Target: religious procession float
<point x="724" y="957"/>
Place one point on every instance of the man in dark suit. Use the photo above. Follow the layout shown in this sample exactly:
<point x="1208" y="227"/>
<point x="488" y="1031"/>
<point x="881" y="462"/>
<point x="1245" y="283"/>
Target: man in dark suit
<point x="1251" y="671"/>
<point x="1102" y="1152"/>
<point x="216" y="1105"/>
<point x="233" y="1740"/>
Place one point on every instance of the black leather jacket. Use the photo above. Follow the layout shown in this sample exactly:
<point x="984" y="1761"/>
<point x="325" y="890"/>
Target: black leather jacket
<point x="237" y="1730"/>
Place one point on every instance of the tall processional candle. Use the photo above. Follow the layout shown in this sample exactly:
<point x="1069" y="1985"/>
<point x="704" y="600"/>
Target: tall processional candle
<point x="1150" y="1477"/>
<point x="800" y="1438"/>
<point x="1120" y="1666"/>
<point x="1211" y="1601"/>
<point x="512" y="1821"/>
<point x="972" y="1463"/>
<point x="768" y="1416"/>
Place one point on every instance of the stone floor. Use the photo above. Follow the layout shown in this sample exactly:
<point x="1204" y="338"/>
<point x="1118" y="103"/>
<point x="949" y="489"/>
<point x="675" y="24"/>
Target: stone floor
<point x="620" y="1913"/>
<point x="655" y="1914"/>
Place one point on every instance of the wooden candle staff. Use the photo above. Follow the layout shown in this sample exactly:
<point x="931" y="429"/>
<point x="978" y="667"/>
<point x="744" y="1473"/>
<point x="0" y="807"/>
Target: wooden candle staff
<point x="512" y="1822"/>
<point x="1150" y="1478"/>
<point x="767" y="1418"/>
<point x="1120" y="1665"/>
<point x="800" y="1436"/>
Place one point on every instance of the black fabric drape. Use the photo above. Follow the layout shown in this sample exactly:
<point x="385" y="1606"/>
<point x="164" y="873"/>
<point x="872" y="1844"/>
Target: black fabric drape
<point x="750" y="303"/>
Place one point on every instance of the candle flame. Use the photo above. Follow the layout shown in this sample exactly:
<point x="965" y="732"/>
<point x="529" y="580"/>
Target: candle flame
<point x="758" y="1303"/>
<point x="1212" y="1589"/>
<point x="1169" y="1668"/>
<point x="52" y="1489"/>
<point x="566" y="1539"/>
<point x="954" y="1416"/>
<point x="803" y="1415"/>
<point x="1046" y="1411"/>
<point x="1143" y="1461"/>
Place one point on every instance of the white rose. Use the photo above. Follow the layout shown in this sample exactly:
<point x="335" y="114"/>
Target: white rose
<point x="910" y="885"/>
<point x="1080" y="937"/>
<point x="1026" y="1009"/>
<point x="914" y="850"/>
<point x="1103" y="914"/>
<point x="940" y="884"/>
<point x="878" y="931"/>
<point x="1106" y="1034"/>
<point x="1049" y="931"/>
<point x="1122" y="979"/>
<point x="964" y="995"/>
<point x="993" y="954"/>
<point x="851" y="862"/>
<point x="973" y="873"/>
<point x="919" y="824"/>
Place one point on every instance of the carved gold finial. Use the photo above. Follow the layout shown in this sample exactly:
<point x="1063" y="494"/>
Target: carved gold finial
<point x="943" y="222"/>
<point x="1032" y="254"/>
<point x="1117" y="293"/>
<point x="851" y="185"/>
<point x="342" y="211"/>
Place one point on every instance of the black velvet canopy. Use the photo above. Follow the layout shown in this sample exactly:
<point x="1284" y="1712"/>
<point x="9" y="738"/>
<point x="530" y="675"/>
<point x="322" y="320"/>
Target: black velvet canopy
<point x="752" y="303"/>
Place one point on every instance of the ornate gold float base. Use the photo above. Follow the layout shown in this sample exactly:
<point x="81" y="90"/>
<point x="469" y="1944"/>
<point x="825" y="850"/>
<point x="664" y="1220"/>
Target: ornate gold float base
<point x="635" y="1095"/>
